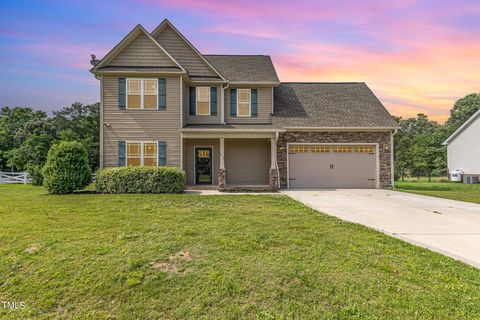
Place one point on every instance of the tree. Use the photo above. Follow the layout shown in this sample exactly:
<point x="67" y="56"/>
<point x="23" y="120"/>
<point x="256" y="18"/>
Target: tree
<point x="81" y="123"/>
<point x="20" y="129"/>
<point x="27" y="135"/>
<point x="418" y="146"/>
<point x="463" y="109"/>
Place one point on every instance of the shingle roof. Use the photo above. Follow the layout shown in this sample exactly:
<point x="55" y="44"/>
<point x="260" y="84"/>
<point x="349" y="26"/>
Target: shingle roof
<point x="248" y="68"/>
<point x="331" y="105"/>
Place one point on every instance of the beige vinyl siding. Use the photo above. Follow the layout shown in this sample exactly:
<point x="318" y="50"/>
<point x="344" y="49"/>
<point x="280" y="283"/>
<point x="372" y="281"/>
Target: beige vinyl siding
<point x="264" y="107"/>
<point x="142" y="52"/>
<point x="184" y="54"/>
<point x="140" y="125"/>
<point x="247" y="161"/>
<point x="204" y="119"/>
<point x="189" y="159"/>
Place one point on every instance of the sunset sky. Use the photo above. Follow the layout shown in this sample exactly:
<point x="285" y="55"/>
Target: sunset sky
<point x="417" y="56"/>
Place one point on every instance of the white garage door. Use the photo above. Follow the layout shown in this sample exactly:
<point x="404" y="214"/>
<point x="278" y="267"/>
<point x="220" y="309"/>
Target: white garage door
<point x="331" y="166"/>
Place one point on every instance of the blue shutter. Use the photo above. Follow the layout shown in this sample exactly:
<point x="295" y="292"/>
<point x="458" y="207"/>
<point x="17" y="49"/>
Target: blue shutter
<point x="213" y="101"/>
<point x="162" y="153"/>
<point x="122" y="93"/>
<point x="253" y="102"/>
<point x="162" y="94"/>
<point x="122" y="148"/>
<point x="233" y="102"/>
<point x="193" y="101"/>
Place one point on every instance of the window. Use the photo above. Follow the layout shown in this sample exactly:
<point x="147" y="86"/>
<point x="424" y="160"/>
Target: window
<point x="243" y="101"/>
<point x="203" y="101"/>
<point x="320" y="149"/>
<point x="142" y="154"/>
<point x="364" y="149"/>
<point x="297" y="149"/>
<point x="343" y="149"/>
<point x="142" y="94"/>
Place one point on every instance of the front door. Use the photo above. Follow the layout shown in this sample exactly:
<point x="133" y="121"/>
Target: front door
<point x="203" y="165"/>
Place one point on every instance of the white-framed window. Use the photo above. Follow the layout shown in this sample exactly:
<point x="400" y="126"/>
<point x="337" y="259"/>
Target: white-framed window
<point x="142" y="93"/>
<point x="203" y="101"/>
<point x="244" y="106"/>
<point x="142" y="153"/>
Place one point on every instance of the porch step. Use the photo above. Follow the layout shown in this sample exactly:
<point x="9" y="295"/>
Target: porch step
<point x="202" y="188"/>
<point x="246" y="188"/>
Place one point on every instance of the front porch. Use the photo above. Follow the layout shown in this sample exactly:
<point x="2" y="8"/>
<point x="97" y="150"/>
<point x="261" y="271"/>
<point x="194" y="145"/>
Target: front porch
<point x="230" y="162"/>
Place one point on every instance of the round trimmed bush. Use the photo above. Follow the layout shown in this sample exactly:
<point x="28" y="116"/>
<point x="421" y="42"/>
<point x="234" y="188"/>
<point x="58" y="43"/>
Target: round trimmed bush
<point x="141" y="180"/>
<point x="66" y="169"/>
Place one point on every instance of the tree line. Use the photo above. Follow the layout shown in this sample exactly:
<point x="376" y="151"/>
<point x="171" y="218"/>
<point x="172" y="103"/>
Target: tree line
<point x="26" y="136"/>
<point x="419" y="149"/>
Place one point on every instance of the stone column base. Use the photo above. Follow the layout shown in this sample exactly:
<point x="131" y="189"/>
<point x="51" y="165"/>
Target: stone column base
<point x="273" y="179"/>
<point x="222" y="178"/>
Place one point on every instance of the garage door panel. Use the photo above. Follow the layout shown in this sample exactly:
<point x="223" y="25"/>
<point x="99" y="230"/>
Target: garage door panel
<point x="341" y="167"/>
<point x="301" y="175"/>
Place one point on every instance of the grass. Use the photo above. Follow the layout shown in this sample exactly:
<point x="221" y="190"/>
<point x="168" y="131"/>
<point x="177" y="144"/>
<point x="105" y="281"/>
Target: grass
<point x="440" y="188"/>
<point x="94" y="256"/>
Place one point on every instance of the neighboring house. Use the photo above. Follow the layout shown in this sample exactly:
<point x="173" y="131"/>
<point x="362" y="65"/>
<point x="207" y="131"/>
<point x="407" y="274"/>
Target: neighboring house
<point x="463" y="149"/>
<point x="228" y="121"/>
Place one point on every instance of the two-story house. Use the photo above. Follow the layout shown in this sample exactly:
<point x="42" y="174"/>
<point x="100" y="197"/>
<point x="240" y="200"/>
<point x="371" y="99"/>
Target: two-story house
<point x="229" y="122"/>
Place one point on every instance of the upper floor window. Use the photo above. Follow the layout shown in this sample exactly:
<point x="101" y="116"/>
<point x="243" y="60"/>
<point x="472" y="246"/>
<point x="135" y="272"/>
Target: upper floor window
<point x="142" y="94"/>
<point x="244" y="105"/>
<point x="203" y="101"/>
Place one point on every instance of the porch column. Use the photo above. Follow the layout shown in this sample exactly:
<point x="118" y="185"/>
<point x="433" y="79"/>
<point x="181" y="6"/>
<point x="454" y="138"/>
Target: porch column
<point x="222" y="152"/>
<point x="222" y="174"/>
<point x="273" y="153"/>
<point x="273" y="177"/>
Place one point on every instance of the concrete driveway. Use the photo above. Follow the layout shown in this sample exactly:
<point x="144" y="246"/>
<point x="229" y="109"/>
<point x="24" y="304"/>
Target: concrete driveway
<point x="445" y="226"/>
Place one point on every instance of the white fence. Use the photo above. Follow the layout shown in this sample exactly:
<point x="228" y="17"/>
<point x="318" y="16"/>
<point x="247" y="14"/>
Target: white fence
<point x="14" y="177"/>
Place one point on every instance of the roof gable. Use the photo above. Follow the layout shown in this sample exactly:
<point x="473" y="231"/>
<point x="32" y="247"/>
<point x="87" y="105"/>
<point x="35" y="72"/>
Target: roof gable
<point x="138" y="49"/>
<point x="463" y="127"/>
<point x="184" y="52"/>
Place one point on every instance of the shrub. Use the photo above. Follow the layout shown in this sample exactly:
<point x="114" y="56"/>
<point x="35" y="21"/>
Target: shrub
<point x="66" y="169"/>
<point x="35" y="174"/>
<point x="141" y="180"/>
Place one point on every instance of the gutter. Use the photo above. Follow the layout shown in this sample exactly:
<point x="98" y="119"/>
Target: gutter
<point x="228" y="130"/>
<point x="340" y="128"/>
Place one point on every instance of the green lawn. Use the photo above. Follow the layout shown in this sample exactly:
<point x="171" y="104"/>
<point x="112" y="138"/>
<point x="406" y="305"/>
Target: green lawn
<point x="448" y="190"/>
<point x="92" y="256"/>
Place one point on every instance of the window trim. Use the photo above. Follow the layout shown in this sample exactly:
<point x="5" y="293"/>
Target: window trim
<point x="142" y="107"/>
<point x="196" y="102"/>
<point x="142" y="156"/>
<point x="249" y="102"/>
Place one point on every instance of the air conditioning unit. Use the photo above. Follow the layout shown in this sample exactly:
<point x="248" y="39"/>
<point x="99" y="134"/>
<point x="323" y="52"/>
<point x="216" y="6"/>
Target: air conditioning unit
<point x="470" y="179"/>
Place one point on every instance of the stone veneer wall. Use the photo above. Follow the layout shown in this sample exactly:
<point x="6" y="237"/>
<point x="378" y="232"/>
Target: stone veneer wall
<point x="382" y="138"/>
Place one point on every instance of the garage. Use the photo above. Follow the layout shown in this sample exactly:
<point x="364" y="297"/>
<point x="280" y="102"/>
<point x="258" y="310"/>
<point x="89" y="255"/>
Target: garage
<point x="321" y="166"/>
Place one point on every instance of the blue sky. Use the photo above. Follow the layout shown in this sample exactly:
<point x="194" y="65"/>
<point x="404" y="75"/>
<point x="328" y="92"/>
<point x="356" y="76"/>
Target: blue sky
<point x="417" y="56"/>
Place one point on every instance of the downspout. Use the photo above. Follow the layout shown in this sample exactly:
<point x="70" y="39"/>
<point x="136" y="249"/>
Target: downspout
<point x="392" y="159"/>
<point x="276" y="160"/>
<point x="101" y="120"/>
<point x="222" y="116"/>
